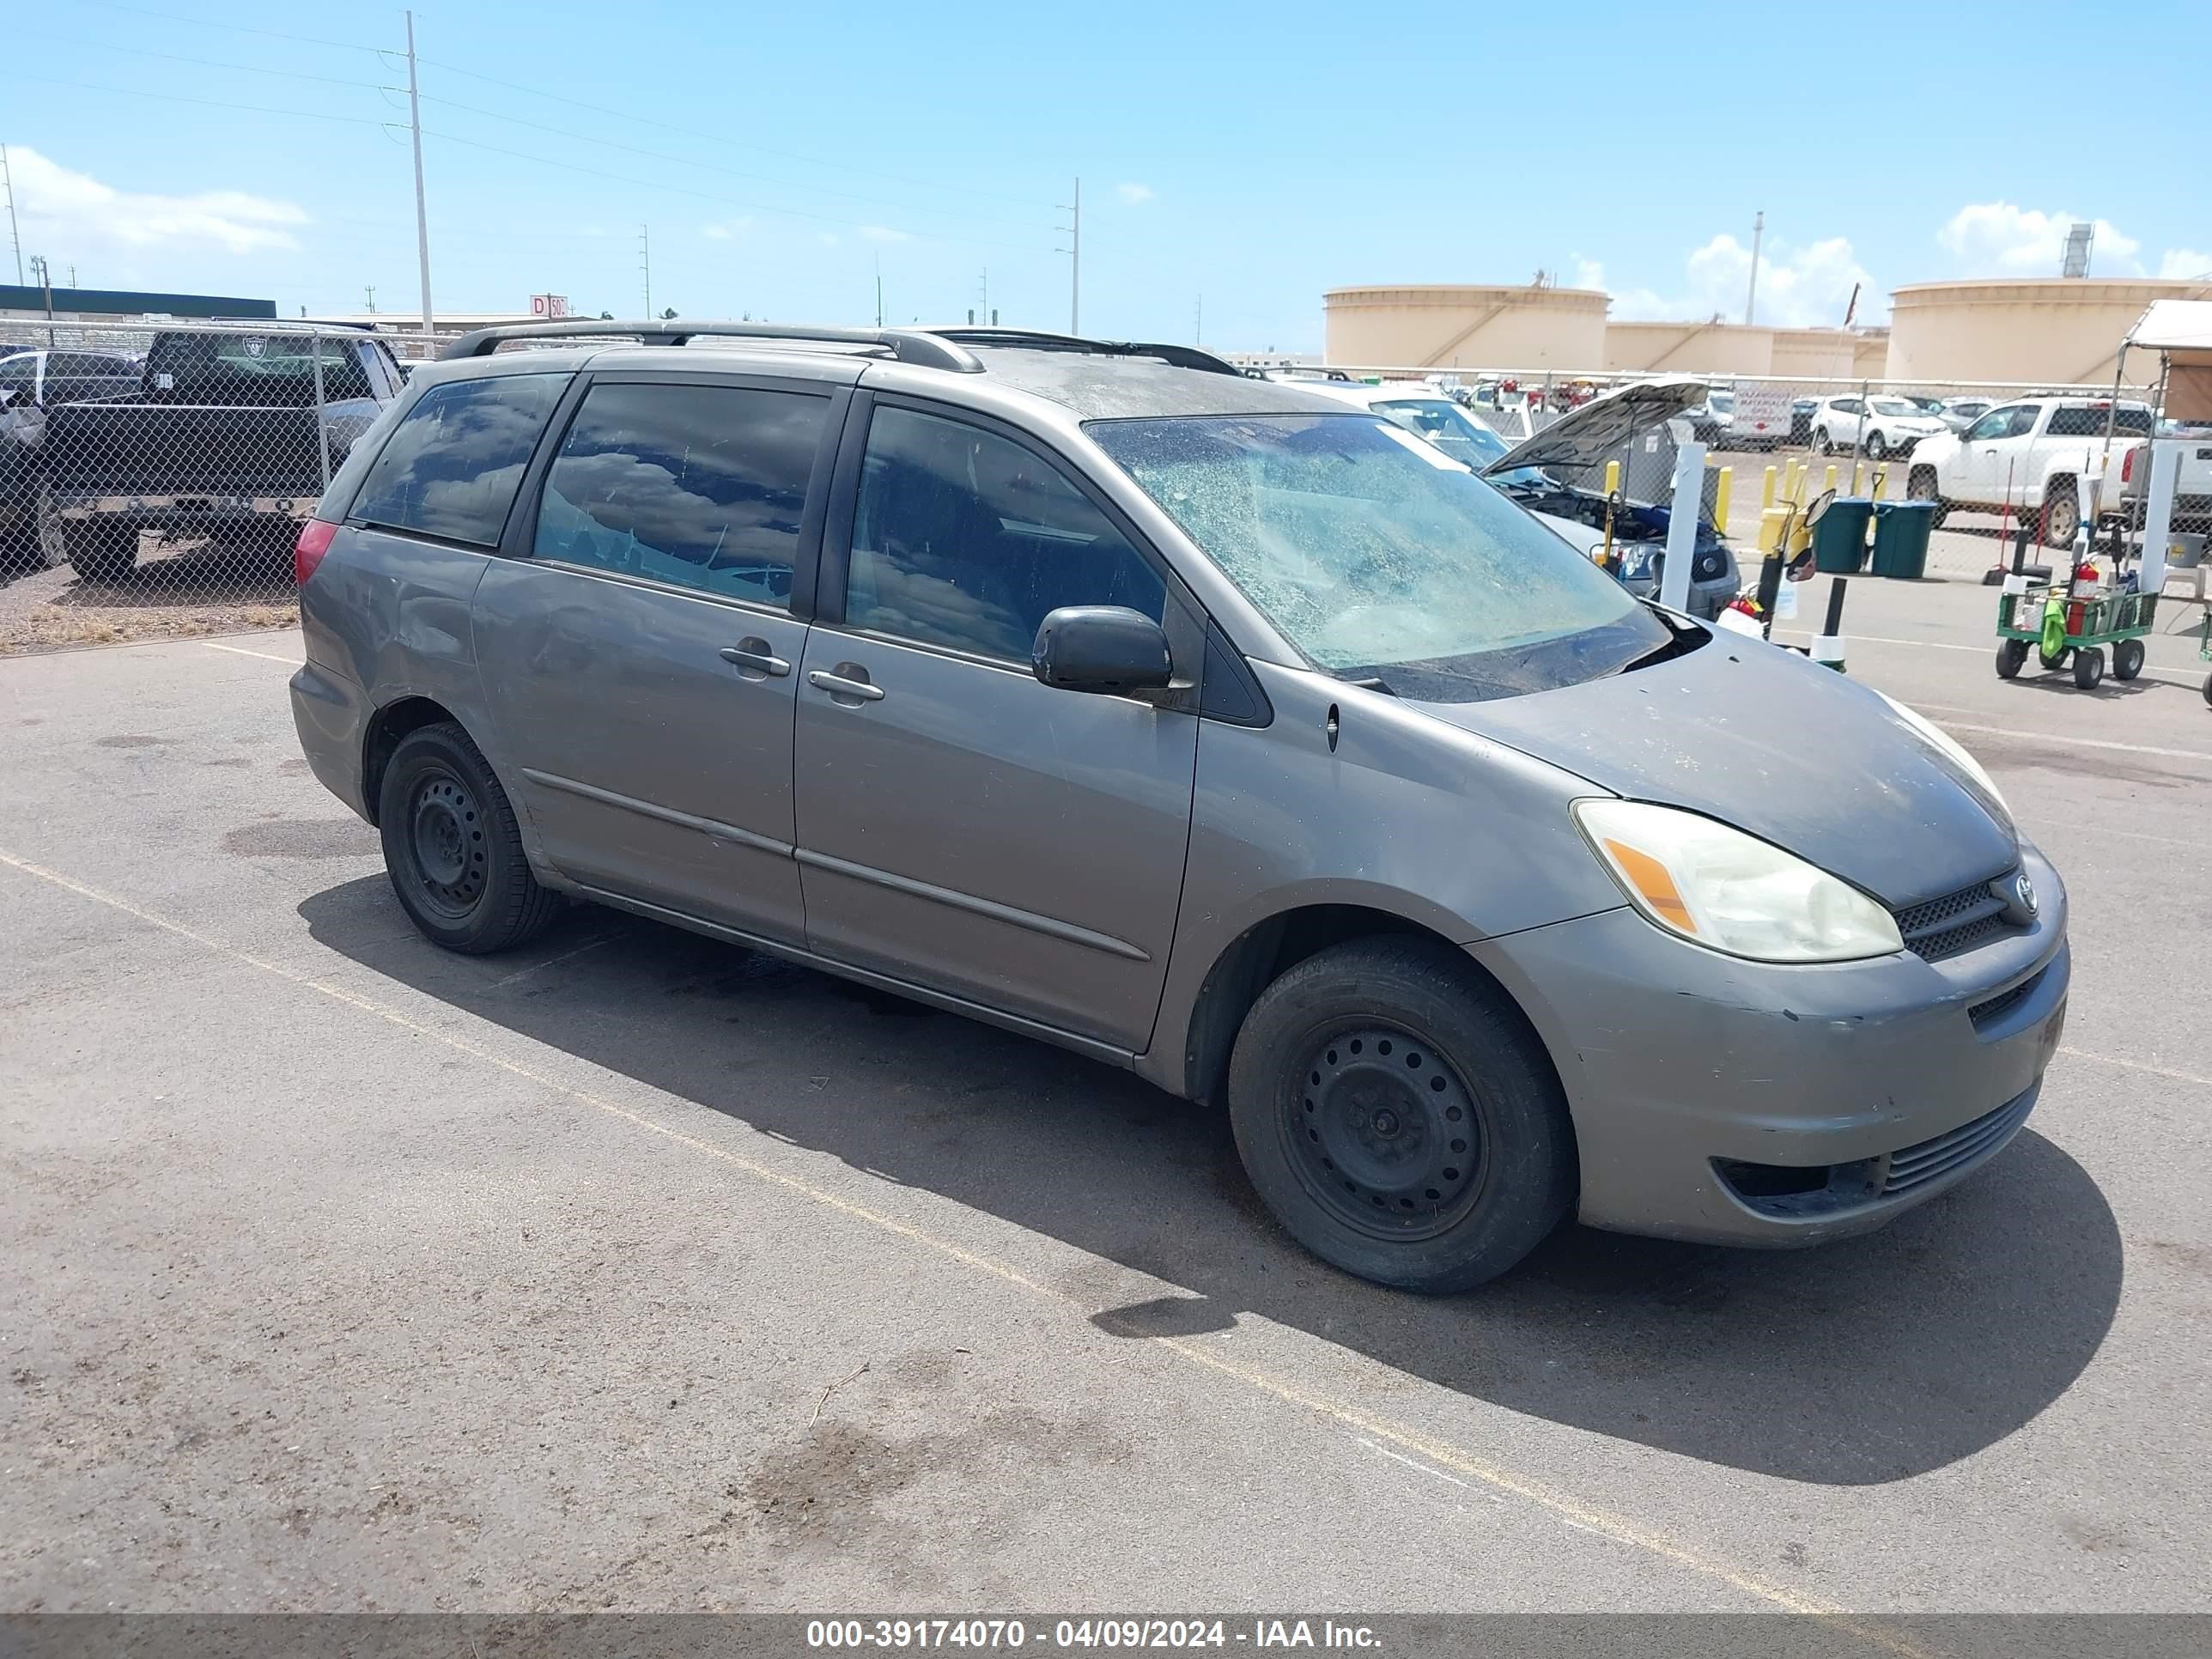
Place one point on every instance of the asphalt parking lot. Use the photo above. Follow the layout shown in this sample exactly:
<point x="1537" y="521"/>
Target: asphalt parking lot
<point x="636" y="1271"/>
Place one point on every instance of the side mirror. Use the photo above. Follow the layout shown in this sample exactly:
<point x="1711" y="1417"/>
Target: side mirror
<point x="1107" y="648"/>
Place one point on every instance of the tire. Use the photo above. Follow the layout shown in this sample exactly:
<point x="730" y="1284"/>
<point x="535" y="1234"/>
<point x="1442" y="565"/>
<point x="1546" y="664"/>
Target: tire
<point x="2207" y="688"/>
<point x="2127" y="659"/>
<point x="2054" y="662"/>
<point x="2089" y="667"/>
<point x="1435" y="1152"/>
<point x="1876" y="449"/>
<point x="2062" y="512"/>
<point x="2012" y="657"/>
<point x="100" y="549"/>
<point x="1921" y="486"/>
<point x="452" y="848"/>
<point x="1820" y="441"/>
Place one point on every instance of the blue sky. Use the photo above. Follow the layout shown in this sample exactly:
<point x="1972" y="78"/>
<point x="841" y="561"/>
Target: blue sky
<point x="1247" y="156"/>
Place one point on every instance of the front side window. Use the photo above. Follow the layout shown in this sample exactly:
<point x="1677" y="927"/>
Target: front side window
<point x="966" y="539"/>
<point x="1376" y="555"/>
<point x="1998" y="423"/>
<point x="455" y="459"/>
<point x="702" y="486"/>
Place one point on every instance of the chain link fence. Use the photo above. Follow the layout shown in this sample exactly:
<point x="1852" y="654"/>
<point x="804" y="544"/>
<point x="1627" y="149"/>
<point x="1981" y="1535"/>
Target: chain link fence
<point x="153" y="477"/>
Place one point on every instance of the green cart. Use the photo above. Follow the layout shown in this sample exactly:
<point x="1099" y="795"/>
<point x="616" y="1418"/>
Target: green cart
<point x="2057" y="624"/>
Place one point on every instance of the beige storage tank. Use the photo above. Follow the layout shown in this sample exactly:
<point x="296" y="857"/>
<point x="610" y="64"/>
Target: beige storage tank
<point x="1466" y="325"/>
<point x="1814" y="355"/>
<point x="1688" y="348"/>
<point x="2053" y="330"/>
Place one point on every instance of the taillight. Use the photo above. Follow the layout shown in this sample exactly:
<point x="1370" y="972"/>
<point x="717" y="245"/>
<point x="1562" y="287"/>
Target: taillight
<point x="2128" y="466"/>
<point x="315" y="538"/>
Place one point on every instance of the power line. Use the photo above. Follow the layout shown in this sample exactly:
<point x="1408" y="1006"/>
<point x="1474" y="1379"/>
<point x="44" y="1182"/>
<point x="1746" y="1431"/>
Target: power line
<point x="201" y="63"/>
<point x="700" y="195"/>
<point x="709" y="167"/>
<point x="211" y="103"/>
<point x="732" y="143"/>
<point x="239" y="28"/>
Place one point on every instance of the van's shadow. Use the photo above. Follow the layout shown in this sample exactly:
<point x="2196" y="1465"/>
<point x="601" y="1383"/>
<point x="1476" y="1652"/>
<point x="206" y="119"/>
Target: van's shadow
<point x="1865" y="1361"/>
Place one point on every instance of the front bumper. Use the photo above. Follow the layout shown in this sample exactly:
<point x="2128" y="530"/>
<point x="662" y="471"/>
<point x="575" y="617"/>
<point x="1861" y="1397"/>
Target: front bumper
<point x="1695" y="1079"/>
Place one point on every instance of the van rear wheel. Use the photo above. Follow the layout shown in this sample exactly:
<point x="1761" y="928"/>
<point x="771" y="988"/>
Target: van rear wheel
<point x="1399" y="1118"/>
<point x="453" y="847"/>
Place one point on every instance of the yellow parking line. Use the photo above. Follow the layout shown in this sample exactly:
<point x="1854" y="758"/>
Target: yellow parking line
<point x="1562" y="1506"/>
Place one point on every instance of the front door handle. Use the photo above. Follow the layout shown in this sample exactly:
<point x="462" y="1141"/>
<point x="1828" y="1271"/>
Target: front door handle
<point x="755" y="653"/>
<point x="842" y="686"/>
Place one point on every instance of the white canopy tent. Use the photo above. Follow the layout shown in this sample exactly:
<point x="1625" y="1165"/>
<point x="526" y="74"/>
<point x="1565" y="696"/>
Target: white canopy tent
<point x="2180" y="331"/>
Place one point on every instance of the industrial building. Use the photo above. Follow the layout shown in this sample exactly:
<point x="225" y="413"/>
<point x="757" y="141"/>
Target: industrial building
<point x="27" y="304"/>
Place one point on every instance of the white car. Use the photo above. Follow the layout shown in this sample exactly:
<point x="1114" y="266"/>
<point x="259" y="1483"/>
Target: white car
<point x="1878" y="427"/>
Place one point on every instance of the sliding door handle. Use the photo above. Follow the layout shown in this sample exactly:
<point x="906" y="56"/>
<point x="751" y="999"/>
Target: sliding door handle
<point x="755" y="655"/>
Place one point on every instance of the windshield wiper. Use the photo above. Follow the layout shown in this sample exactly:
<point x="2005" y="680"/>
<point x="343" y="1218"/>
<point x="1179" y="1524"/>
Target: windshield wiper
<point x="1369" y="682"/>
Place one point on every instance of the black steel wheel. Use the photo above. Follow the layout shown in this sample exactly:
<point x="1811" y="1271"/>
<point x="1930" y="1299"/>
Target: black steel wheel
<point x="1399" y="1117"/>
<point x="1384" y="1135"/>
<point x="453" y="847"/>
<point x="2012" y="657"/>
<point x="2127" y="659"/>
<point x="2207" y="688"/>
<point x="2088" y="667"/>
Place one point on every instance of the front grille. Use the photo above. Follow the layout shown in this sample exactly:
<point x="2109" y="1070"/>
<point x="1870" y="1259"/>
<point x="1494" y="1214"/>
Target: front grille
<point x="1917" y="1165"/>
<point x="1957" y="922"/>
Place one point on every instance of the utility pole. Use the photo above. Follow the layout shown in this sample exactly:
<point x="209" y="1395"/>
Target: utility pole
<point x="1074" y="251"/>
<point x="72" y="281"/>
<point x="15" y="239"/>
<point x="645" y="263"/>
<point x="372" y="299"/>
<point x="1198" y="323"/>
<point x="879" y="290"/>
<point x="45" y="281"/>
<point x="983" y="298"/>
<point x="1751" y="298"/>
<point x="421" y="213"/>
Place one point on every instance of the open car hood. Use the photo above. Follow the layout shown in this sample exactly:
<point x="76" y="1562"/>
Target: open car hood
<point x="1587" y="435"/>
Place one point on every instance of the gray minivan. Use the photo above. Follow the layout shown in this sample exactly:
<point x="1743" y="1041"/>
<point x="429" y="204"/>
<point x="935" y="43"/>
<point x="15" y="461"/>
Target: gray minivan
<point x="1203" y="725"/>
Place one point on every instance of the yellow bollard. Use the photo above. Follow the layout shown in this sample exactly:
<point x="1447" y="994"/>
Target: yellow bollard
<point x="1858" y="479"/>
<point x="1767" y="491"/>
<point x="1828" y="478"/>
<point x="1612" y="476"/>
<point x="1721" y="499"/>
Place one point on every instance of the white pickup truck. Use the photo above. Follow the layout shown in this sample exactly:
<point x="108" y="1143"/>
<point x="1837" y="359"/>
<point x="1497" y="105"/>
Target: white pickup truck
<point x="2029" y="456"/>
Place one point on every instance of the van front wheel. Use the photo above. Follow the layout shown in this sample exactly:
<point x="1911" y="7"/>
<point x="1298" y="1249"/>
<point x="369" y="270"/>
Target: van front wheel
<point x="1399" y="1118"/>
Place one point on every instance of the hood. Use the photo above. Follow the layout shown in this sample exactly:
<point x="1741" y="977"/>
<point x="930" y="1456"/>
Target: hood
<point x="1759" y="738"/>
<point x="1587" y="435"/>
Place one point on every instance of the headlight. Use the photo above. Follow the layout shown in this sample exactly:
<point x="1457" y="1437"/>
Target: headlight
<point x="1949" y="747"/>
<point x="1731" y="891"/>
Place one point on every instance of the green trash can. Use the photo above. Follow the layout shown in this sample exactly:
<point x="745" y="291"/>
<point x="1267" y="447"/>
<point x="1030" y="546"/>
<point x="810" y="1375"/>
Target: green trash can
<point x="1901" y="530"/>
<point x="1839" y="539"/>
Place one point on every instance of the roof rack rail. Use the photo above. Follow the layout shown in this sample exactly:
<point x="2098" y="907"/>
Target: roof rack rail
<point x="908" y="345"/>
<point x="1177" y="356"/>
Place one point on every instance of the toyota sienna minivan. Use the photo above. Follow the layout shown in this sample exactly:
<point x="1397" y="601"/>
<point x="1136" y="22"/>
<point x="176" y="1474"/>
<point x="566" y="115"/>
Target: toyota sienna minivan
<point x="1202" y="724"/>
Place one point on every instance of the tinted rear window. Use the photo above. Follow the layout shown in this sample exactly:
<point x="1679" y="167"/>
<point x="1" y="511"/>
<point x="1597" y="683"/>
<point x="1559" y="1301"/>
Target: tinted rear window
<point x="2081" y="421"/>
<point x="456" y="458"/>
<point x="699" y="485"/>
<point x="260" y="370"/>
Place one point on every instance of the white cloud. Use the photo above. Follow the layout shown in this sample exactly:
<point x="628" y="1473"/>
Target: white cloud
<point x="726" y="230"/>
<point x="68" y="214"/>
<point x="2183" y="264"/>
<point x="1998" y="239"/>
<point x="828" y="239"/>
<point x="1798" y="287"/>
<point x="1133" y="195"/>
<point x="884" y="233"/>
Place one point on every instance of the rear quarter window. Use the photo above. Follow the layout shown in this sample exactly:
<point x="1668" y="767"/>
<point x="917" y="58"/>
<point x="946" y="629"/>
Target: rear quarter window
<point x="455" y="459"/>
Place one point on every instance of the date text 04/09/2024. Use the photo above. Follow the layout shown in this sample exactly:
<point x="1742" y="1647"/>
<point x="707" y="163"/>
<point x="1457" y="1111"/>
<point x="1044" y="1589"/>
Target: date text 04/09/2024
<point x="1088" y="1633"/>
